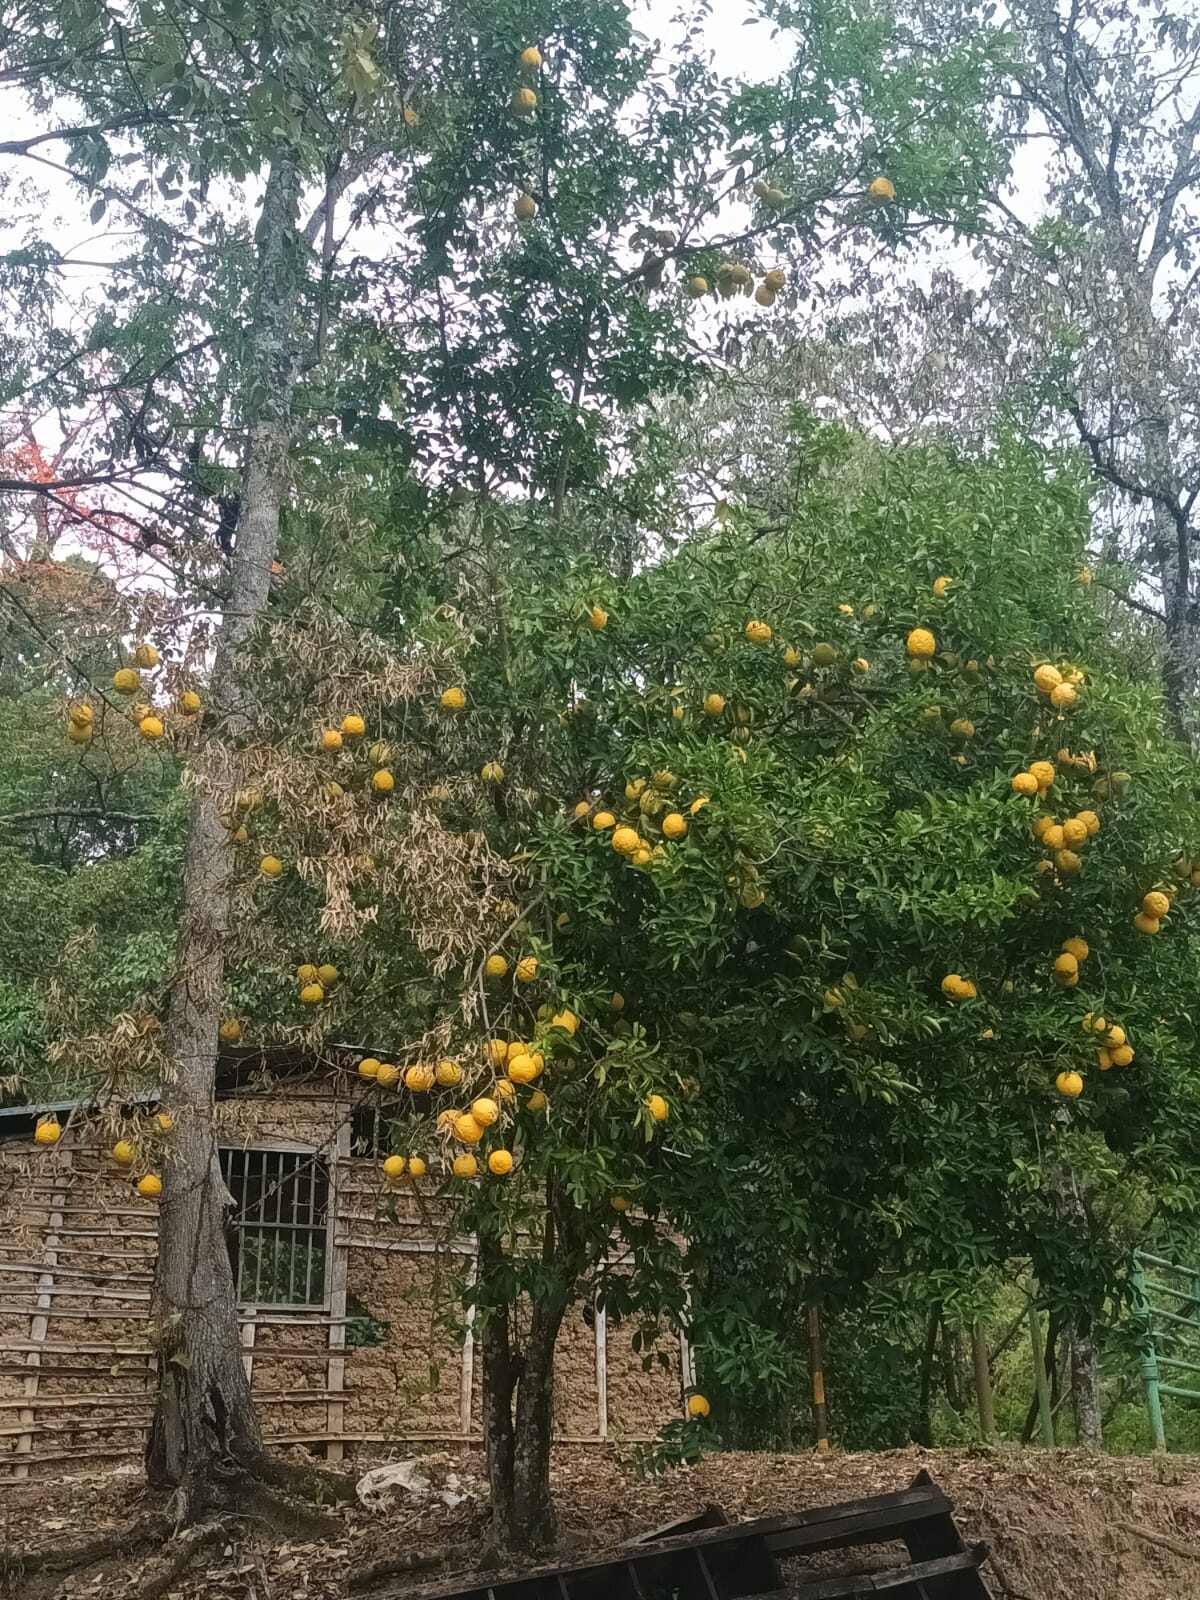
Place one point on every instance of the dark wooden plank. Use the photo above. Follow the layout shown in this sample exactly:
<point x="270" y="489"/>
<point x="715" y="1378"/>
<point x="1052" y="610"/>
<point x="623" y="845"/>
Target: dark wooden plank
<point x="960" y="1569"/>
<point x="709" y="1516"/>
<point x="709" y="1588"/>
<point x="877" y="1525"/>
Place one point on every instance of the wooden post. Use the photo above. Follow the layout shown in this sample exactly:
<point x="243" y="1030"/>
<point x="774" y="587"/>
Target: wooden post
<point x="600" y="1324"/>
<point x="39" y="1322"/>
<point x="466" y="1393"/>
<point x="1041" y="1382"/>
<point x="816" y="1363"/>
<point x="335" y="1365"/>
<point x="983" y="1382"/>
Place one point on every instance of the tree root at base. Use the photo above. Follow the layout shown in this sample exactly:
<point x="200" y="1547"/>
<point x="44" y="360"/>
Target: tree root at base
<point x="373" y="1572"/>
<point x="85" y="1552"/>
<point x="162" y="1571"/>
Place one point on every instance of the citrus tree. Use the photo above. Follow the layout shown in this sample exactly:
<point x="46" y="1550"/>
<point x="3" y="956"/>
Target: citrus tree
<point x="773" y="893"/>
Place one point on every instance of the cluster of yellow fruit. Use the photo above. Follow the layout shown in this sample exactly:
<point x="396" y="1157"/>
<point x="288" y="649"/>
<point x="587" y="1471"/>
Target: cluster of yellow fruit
<point x="352" y="728"/>
<point x="1060" y="687"/>
<point x="525" y="971"/>
<point x="525" y="207"/>
<point x="314" y="984"/>
<point x="1064" y="839"/>
<point x="956" y="987"/>
<point x="1113" y="1050"/>
<point x="524" y="100"/>
<point x="1156" y="904"/>
<point x="1074" y="953"/>
<point x="81" y="717"/>
<point x="734" y="277"/>
<point x="769" y="194"/>
<point x="648" y="808"/>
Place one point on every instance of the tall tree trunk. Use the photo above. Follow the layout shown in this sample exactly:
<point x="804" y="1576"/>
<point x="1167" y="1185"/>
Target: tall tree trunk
<point x="923" y="1432"/>
<point x="1085" y="1367"/>
<point x="499" y="1382"/>
<point x="983" y="1382"/>
<point x="205" y="1431"/>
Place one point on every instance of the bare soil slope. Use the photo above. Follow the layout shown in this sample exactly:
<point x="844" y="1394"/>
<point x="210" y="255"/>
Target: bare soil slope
<point x="1062" y="1526"/>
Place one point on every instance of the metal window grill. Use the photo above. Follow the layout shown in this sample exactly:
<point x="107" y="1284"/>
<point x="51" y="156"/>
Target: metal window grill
<point x="279" y="1230"/>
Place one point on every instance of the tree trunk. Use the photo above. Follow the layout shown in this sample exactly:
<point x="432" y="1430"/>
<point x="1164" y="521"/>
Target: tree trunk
<point x="534" y="1524"/>
<point x="499" y="1381"/>
<point x="205" y="1430"/>
<point x="983" y="1382"/>
<point x="923" y="1433"/>
<point x="1085" y="1392"/>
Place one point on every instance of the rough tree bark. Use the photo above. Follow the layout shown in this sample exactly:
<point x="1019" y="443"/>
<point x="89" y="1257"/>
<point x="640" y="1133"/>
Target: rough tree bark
<point x="1085" y="1364"/>
<point x="518" y="1386"/>
<point x="205" y="1433"/>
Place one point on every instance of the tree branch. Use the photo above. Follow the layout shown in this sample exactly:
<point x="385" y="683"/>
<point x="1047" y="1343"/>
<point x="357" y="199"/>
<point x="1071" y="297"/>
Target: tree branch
<point x="81" y="813"/>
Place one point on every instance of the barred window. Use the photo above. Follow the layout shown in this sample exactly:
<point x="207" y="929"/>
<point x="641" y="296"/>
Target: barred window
<point x="370" y="1132"/>
<point x="279" y="1230"/>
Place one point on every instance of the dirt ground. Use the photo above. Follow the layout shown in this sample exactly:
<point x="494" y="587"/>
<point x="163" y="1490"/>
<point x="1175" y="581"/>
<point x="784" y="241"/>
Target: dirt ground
<point x="1062" y="1526"/>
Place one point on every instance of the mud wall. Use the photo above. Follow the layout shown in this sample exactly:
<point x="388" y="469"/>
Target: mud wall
<point x="387" y="1358"/>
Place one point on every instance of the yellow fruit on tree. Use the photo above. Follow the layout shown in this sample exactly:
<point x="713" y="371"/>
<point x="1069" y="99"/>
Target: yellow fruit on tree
<point x="537" y="1101"/>
<point x="452" y="699"/>
<point x="824" y="655"/>
<point x="791" y="656"/>
<point x="527" y="969"/>
<point x="674" y="826"/>
<point x="382" y="781"/>
<point x="353" y="726"/>
<point x="1103" y="1060"/>
<point x="1074" y="831"/>
<point x="151" y="728"/>
<point x="146" y="656"/>
<point x="1077" y="947"/>
<point x="1067" y="862"/>
<point x="1145" y="924"/>
<point x="941" y="587"/>
<point x="582" y="809"/>
<point x="1042" y="826"/>
<point x="525" y="208"/>
<point x="714" y="704"/>
<point x="697" y="1406"/>
<point x="597" y="618"/>
<point x="47" y="1131"/>
<point x="417" y="1167"/>
<point x="524" y="102"/>
<point x="271" y="867"/>
<point x="82" y="715"/>
<point x="1122" y="1056"/>
<point x="1069" y="1084"/>
<point x="388" y="1075"/>
<point x="764" y="296"/>
<point x="1047" y="677"/>
<point x="467" y="1129"/>
<point x="962" y="728"/>
<point x="1025" y="783"/>
<point x="634" y="788"/>
<point x="230" y="1031"/>
<point x="123" y="1153"/>
<point x="500" y="1163"/>
<point x="758" y="632"/>
<point x="369" y="1067"/>
<point x="1117" y="1035"/>
<point x="419" y="1078"/>
<point x="447" y="1073"/>
<point x="1090" y="821"/>
<point x="307" y="973"/>
<point x="331" y="739"/>
<point x="327" y="974"/>
<point x="495" y="967"/>
<point x="881" y="190"/>
<point x="126" y="681"/>
<point x="1043" y="771"/>
<point x="921" y="644"/>
<point x="603" y="820"/>
<point x="657" y="1107"/>
<point x="625" y="841"/>
<point x="531" y="58"/>
<point x="1156" y="904"/>
<point x="521" y="1069"/>
<point x="663" y="781"/>
<point x="567" y="1020"/>
<point x="190" y="702"/>
<point x="150" y="1187"/>
<point x="484" y="1111"/>
<point x="497" y="1051"/>
<point x="79" y="732"/>
<point x="394" y="1167"/>
<point x="697" y="287"/>
<point x="1063" y="696"/>
<point x="619" y="1202"/>
<point x="1053" y="837"/>
<point x="312" y="994"/>
<point x="1066" y="969"/>
<point x="465" y="1165"/>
